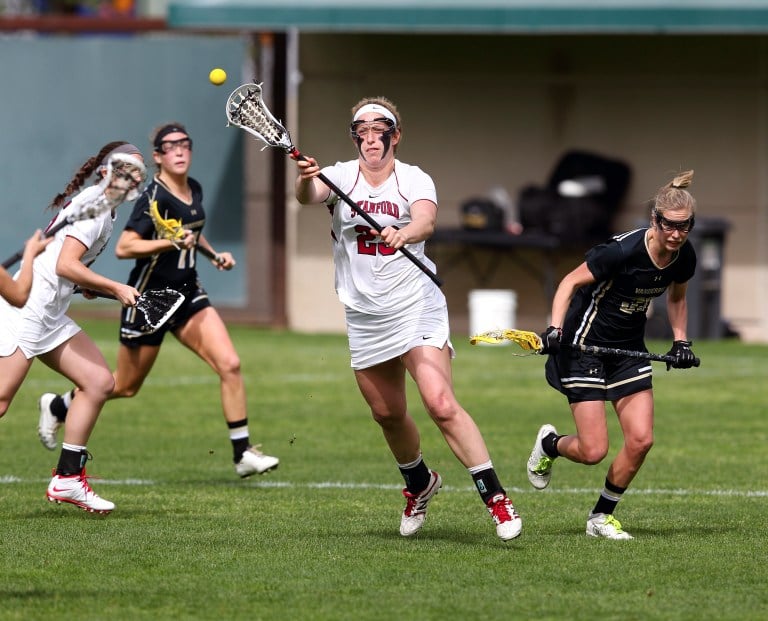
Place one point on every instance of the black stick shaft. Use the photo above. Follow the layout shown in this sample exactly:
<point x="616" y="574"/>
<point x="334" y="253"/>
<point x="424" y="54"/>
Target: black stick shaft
<point x="210" y="255"/>
<point x="297" y="155"/>
<point x="98" y="294"/>
<point x="598" y="350"/>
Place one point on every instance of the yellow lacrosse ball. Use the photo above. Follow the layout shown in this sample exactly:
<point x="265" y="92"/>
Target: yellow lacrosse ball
<point x="217" y="76"/>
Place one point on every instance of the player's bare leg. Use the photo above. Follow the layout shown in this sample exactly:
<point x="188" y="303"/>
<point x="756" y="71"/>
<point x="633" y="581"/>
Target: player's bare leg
<point x="133" y="367"/>
<point x="383" y="388"/>
<point x="635" y="414"/>
<point x="431" y="370"/>
<point x="13" y="370"/>
<point x="80" y="361"/>
<point x="206" y="334"/>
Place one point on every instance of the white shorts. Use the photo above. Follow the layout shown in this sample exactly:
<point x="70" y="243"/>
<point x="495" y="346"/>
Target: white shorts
<point x="25" y="331"/>
<point x="374" y="339"/>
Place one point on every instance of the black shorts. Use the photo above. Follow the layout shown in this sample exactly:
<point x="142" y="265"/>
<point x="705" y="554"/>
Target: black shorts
<point x="134" y="330"/>
<point x="585" y="377"/>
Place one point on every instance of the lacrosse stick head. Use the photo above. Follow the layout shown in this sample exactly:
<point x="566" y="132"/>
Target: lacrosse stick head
<point x="529" y="342"/>
<point x="124" y="178"/>
<point x="158" y="305"/>
<point x="166" y="228"/>
<point x="246" y="109"/>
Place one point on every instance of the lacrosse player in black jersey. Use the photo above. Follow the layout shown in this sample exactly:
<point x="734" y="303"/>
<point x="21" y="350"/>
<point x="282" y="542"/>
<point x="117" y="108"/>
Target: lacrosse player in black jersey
<point x="604" y="302"/>
<point x="162" y="263"/>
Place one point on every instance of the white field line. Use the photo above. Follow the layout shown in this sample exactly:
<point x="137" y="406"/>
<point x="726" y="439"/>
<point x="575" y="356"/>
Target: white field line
<point x="192" y="380"/>
<point x="8" y="479"/>
<point x="178" y="380"/>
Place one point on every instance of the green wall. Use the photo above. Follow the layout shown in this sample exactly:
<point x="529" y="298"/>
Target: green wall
<point x="63" y="98"/>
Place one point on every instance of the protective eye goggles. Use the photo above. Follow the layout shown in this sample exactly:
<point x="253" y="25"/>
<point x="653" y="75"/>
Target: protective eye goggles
<point x="380" y="127"/>
<point x="684" y="226"/>
<point x="166" y="146"/>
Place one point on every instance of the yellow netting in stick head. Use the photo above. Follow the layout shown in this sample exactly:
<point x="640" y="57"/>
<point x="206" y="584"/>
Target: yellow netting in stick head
<point x="166" y="228"/>
<point x="529" y="341"/>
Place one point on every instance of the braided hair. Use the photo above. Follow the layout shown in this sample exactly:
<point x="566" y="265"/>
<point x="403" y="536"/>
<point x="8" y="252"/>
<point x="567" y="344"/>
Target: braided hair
<point x="84" y="172"/>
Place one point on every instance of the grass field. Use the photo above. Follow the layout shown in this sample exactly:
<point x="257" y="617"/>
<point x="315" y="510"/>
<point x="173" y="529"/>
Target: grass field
<point x="318" y="538"/>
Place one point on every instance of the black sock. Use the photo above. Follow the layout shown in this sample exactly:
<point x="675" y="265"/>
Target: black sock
<point x="609" y="498"/>
<point x="416" y="477"/>
<point x="549" y="444"/>
<point x="487" y="484"/>
<point x="58" y="409"/>
<point x="238" y="435"/>
<point x="71" y="462"/>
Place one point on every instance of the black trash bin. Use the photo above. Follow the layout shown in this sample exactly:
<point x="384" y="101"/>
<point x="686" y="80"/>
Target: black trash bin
<point x="704" y="289"/>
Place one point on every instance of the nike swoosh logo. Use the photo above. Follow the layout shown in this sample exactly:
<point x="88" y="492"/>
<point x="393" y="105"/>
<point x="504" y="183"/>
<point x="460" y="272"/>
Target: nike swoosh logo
<point x="426" y="338"/>
<point x="57" y="489"/>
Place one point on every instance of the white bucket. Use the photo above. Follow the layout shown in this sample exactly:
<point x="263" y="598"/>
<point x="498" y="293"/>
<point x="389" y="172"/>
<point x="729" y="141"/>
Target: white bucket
<point x="492" y="309"/>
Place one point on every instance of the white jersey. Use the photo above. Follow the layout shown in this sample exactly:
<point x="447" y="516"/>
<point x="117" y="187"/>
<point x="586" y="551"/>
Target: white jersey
<point x="44" y="315"/>
<point x="370" y="276"/>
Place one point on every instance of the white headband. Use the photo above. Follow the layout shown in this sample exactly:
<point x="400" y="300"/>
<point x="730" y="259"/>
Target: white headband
<point x="372" y="107"/>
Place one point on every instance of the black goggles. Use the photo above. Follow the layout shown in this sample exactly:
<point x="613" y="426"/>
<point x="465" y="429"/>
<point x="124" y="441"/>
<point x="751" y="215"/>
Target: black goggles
<point x="684" y="226"/>
<point x="166" y="146"/>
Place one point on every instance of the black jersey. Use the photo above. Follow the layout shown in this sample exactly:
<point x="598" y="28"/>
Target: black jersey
<point x="612" y="311"/>
<point x="175" y="268"/>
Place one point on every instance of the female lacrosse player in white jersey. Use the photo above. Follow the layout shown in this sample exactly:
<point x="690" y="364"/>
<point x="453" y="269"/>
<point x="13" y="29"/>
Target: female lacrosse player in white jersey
<point x="16" y="290"/>
<point x="160" y="263"/>
<point x="397" y="318"/>
<point x="603" y="302"/>
<point x="41" y="329"/>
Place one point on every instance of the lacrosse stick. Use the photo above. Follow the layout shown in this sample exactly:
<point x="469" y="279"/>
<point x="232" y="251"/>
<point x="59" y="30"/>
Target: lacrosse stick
<point x="172" y="230"/>
<point x="531" y="343"/>
<point x="596" y="350"/>
<point x="246" y="109"/>
<point x="157" y="305"/>
<point x="122" y="181"/>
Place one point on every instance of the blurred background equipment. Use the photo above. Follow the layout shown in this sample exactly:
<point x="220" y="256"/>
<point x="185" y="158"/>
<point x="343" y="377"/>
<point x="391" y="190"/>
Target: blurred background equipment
<point x="580" y="200"/>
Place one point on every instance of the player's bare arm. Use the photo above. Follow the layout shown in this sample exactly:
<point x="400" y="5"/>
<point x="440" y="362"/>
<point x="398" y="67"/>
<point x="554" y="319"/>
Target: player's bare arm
<point x="677" y="311"/>
<point x="131" y="245"/>
<point x="71" y="267"/>
<point x="421" y="226"/>
<point x="16" y="292"/>
<point x="309" y="189"/>
<point x="222" y="260"/>
<point x="572" y="281"/>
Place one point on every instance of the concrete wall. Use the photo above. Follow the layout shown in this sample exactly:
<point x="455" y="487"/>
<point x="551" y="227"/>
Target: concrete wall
<point x="480" y="111"/>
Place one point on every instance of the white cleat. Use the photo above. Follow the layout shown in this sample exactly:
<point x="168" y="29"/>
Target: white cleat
<point x="606" y="526"/>
<point x="254" y="461"/>
<point x="539" y="463"/>
<point x="47" y="425"/>
<point x="415" y="511"/>
<point x="508" y="522"/>
<point x="75" y="490"/>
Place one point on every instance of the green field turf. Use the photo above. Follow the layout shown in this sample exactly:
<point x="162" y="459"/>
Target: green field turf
<point x="318" y="538"/>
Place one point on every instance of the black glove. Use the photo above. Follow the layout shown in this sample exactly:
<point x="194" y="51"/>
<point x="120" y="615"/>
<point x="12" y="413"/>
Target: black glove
<point x="681" y="350"/>
<point x="550" y="340"/>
